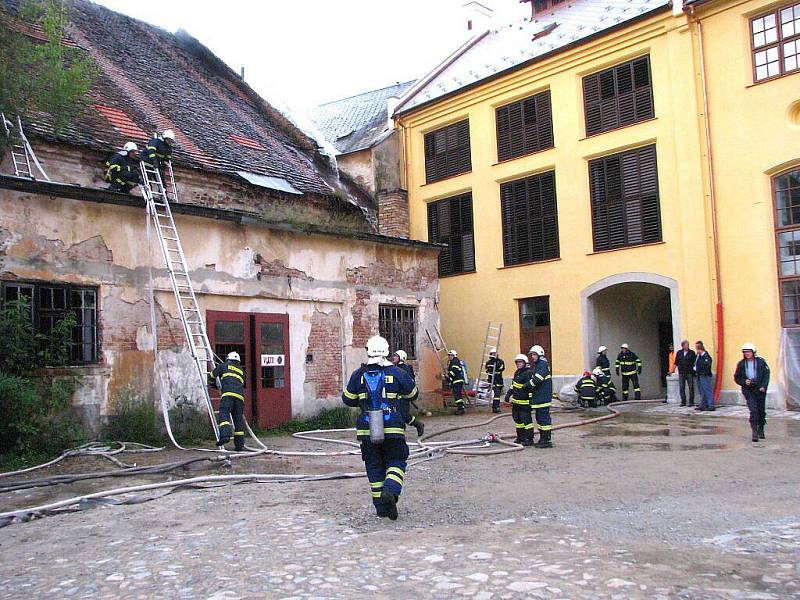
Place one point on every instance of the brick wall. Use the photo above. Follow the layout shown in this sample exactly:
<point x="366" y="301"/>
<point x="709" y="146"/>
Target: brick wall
<point x="393" y="213"/>
<point x="325" y="345"/>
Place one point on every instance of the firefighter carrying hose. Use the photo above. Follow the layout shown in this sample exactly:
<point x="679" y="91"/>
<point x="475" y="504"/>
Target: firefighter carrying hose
<point x="455" y="375"/>
<point x="382" y="391"/>
<point x="495" y="367"/>
<point x="231" y="402"/>
<point x="630" y="367"/>
<point x="542" y="384"/>
<point x="520" y="396"/>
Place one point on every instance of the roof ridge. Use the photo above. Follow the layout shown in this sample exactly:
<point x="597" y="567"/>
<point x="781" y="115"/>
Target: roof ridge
<point x="398" y="84"/>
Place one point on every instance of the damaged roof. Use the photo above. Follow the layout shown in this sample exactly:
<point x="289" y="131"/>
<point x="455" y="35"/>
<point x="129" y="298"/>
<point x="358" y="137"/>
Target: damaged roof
<point x="360" y="121"/>
<point x="150" y="80"/>
<point x="516" y="45"/>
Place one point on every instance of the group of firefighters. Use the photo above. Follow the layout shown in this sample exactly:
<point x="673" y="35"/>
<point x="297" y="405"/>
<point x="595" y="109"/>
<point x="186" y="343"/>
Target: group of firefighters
<point x="122" y="169"/>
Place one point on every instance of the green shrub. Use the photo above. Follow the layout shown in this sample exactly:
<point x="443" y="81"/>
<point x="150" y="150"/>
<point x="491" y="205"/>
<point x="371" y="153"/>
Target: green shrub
<point x="341" y="417"/>
<point x="135" y="420"/>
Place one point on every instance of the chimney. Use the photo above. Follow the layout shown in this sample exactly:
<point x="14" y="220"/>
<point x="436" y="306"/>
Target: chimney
<point x="391" y="104"/>
<point x="242" y="74"/>
<point x="478" y="16"/>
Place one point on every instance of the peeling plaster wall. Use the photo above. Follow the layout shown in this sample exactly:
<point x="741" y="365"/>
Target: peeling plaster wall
<point x="330" y="288"/>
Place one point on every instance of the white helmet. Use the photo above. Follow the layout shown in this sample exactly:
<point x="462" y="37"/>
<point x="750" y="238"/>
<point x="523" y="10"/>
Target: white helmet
<point x="521" y="357"/>
<point x="377" y="346"/>
<point x="168" y="134"/>
<point x="129" y="146"/>
<point x="537" y="349"/>
<point x="492" y="350"/>
<point x="749" y="346"/>
<point x="624" y="346"/>
<point x="452" y="353"/>
<point x="234" y="356"/>
<point x="601" y="349"/>
<point x="401" y="355"/>
<point x="597" y="371"/>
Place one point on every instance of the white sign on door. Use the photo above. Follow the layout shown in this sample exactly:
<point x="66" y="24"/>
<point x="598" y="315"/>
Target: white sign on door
<point x="272" y="360"/>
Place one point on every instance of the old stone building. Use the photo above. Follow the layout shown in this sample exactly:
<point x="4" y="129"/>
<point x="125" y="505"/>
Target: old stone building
<point x="285" y="254"/>
<point x="361" y="130"/>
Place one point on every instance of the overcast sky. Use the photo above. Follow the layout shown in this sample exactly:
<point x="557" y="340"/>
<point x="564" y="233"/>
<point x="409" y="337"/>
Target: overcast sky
<point x="306" y="52"/>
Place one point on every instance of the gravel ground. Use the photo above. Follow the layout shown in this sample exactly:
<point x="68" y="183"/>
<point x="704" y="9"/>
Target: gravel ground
<point x="660" y="503"/>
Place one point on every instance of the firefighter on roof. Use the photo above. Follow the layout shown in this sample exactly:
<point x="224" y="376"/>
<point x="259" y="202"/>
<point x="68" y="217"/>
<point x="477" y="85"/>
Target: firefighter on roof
<point x="122" y="169"/>
<point x="159" y="149"/>
<point x="382" y="391"/>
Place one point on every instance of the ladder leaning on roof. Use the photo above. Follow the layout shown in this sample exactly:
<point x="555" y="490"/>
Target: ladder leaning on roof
<point x="21" y="152"/>
<point x="158" y="197"/>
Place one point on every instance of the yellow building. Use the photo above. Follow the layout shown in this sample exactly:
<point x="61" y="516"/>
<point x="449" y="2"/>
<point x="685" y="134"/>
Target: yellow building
<point x="607" y="171"/>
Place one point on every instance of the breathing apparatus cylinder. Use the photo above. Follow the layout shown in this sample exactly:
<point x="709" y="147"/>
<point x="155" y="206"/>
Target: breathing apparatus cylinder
<point x="375" y="408"/>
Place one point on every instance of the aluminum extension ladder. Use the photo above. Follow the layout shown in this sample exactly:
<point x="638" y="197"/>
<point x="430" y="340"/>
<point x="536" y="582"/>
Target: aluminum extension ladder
<point x="483" y="391"/>
<point x="439" y="348"/>
<point x="158" y="198"/>
<point x="21" y="151"/>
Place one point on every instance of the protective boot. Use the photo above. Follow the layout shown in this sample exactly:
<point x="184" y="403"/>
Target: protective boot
<point x="460" y="409"/>
<point x="761" y="435"/>
<point x="527" y="437"/>
<point x="389" y="501"/>
<point x="496" y="405"/>
<point x="545" y="439"/>
<point x="755" y="432"/>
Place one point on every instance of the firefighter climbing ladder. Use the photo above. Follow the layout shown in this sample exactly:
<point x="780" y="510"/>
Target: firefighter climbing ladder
<point x="158" y="198"/>
<point x="21" y="152"/>
<point x="492" y="340"/>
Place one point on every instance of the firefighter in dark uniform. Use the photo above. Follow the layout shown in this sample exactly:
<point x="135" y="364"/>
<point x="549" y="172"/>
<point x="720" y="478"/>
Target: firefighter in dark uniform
<point x="495" y="367"/>
<point x="399" y="359"/>
<point x="455" y="376"/>
<point x="122" y="169"/>
<point x="630" y="367"/>
<point x="159" y="149"/>
<point x="382" y="391"/>
<point x="605" y="390"/>
<point x="586" y="388"/>
<point x="231" y="401"/>
<point x="520" y="396"/>
<point x="541" y="383"/>
<point x="752" y="374"/>
<point x="603" y="362"/>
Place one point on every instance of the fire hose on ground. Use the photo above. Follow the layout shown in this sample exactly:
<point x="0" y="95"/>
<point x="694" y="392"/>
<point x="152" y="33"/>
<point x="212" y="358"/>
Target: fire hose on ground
<point x="423" y="450"/>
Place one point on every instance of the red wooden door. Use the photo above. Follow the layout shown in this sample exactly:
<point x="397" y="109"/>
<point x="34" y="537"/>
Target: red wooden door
<point x="273" y="380"/>
<point x="230" y="332"/>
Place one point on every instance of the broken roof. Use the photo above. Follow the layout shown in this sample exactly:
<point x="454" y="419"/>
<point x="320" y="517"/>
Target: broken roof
<point x="150" y="80"/>
<point x="515" y="45"/>
<point x="360" y="121"/>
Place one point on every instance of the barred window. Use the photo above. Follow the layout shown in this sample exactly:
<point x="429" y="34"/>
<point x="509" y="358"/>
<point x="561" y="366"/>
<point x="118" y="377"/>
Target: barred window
<point x="398" y="324"/>
<point x="618" y="96"/>
<point x="530" y="219"/>
<point x="524" y="127"/>
<point x="447" y="152"/>
<point x="786" y="188"/>
<point x="450" y="222"/>
<point x="49" y="303"/>
<point x="775" y="42"/>
<point x="625" y="201"/>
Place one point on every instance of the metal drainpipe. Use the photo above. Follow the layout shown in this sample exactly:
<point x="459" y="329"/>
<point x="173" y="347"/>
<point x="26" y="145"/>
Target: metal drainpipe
<point x="713" y="200"/>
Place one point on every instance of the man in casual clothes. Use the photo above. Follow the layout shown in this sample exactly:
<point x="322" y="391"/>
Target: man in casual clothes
<point x="684" y="363"/>
<point x="752" y="373"/>
<point x="705" y="379"/>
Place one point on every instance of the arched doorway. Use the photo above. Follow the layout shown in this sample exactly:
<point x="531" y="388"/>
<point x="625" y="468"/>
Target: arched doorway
<point x="641" y="309"/>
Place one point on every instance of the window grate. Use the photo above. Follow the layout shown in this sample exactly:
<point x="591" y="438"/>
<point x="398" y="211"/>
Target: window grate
<point x="447" y="152"/>
<point x="619" y="96"/>
<point x="450" y="222"/>
<point x="398" y="324"/>
<point x="625" y="200"/>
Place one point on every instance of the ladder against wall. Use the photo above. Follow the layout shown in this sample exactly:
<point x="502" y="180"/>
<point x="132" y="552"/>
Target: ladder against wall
<point x="482" y="386"/>
<point x="22" y="154"/>
<point x="158" y="197"/>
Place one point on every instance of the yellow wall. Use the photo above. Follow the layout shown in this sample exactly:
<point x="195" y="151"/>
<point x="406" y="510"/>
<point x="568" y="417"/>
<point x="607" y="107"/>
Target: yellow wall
<point x="686" y="254"/>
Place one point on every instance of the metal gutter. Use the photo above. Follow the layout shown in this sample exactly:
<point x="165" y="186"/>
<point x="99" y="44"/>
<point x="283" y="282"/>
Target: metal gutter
<point x="101" y="196"/>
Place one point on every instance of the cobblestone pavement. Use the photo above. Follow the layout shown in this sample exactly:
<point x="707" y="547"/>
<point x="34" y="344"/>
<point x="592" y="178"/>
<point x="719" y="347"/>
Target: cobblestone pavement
<point x="609" y="513"/>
